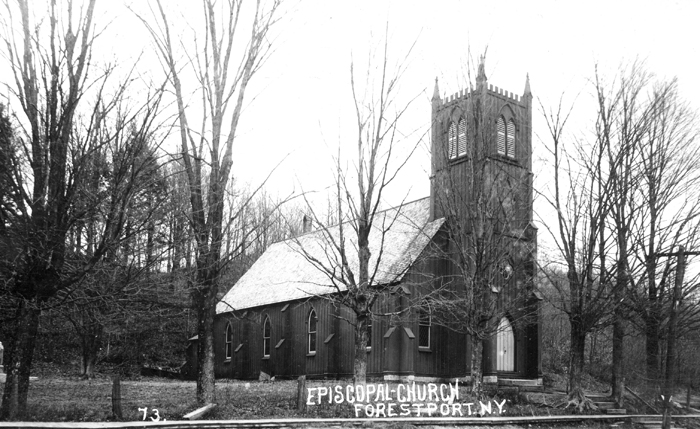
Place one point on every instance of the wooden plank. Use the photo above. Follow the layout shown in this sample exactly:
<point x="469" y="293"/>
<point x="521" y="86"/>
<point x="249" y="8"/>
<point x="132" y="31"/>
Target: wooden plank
<point x="199" y="412"/>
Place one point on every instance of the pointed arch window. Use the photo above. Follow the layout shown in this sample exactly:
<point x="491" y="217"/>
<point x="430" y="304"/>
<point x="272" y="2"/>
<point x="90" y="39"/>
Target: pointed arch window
<point x="369" y="333"/>
<point x="501" y="135"/>
<point x="452" y="140"/>
<point x="510" y="139"/>
<point x="462" y="137"/>
<point x="424" y="325"/>
<point x="505" y="137"/>
<point x="267" y="336"/>
<point x="312" y="327"/>
<point x="229" y="341"/>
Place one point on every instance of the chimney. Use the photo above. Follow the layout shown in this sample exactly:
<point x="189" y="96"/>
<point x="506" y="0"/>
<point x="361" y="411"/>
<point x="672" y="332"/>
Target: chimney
<point x="305" y="224"/>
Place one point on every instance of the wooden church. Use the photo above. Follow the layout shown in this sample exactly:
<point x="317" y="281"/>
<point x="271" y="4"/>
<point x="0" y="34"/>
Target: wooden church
<point x="277" y="320"/>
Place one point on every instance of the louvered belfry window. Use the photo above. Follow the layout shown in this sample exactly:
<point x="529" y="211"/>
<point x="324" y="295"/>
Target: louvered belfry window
<point x="462" y="137"/>
<point x="510" y="139"/>
<point x="452" y="141"/>
<point x="501" y="136"/>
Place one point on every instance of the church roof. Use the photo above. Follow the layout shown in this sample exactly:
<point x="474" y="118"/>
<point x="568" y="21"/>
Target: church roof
<point x="285" y="273"/>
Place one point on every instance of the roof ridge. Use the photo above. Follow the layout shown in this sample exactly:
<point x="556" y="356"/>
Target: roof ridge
<point x="347" y="221"/>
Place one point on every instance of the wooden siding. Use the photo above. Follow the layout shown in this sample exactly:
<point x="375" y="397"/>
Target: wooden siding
<point x="393" y="352"/>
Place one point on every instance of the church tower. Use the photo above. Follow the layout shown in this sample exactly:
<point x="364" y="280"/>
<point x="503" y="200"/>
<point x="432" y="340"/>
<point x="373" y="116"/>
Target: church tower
<point x="479" y="125"/>
<point x="481" y="182"/>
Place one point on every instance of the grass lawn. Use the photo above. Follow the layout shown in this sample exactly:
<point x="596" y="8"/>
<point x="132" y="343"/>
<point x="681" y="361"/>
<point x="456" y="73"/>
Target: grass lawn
<point x="71" y="399"/>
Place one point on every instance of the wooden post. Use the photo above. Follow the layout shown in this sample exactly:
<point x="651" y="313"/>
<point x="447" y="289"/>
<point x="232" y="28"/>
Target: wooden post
<point x="116" y="398"/>
<point x="301" y="393"/>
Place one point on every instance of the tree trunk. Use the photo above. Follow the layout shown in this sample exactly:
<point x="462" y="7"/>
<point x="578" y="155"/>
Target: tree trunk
<point x="618" y="369"/>
<point x="360" y="361"/>
<point x="652" y="346"/>
<point x="477" y="347"/>
<point x="91" y="343"/>
<point x="21" y="348"/>
<point x="205" y="346"/>
<point x="576" y="359"/>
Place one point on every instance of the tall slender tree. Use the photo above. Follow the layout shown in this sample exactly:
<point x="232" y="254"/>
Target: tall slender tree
<point x="353" y="249"/>
<point x="230" y="49"/>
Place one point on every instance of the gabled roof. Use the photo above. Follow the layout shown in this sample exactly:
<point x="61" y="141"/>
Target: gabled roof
<point x="285" y="273"/>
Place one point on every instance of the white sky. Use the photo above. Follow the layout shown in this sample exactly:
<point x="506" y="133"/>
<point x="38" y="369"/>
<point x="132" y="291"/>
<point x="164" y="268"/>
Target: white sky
<point x="303" y="105"/>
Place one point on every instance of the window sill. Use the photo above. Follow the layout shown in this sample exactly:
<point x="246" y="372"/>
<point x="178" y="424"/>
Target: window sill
<point x="311" y="354"/>
<point x="227" y="360"/>
<point x="507" y="158"/>
<point x="266" y="357"/>
<point x="369" y="349"/>
<point x="425" y="349"/>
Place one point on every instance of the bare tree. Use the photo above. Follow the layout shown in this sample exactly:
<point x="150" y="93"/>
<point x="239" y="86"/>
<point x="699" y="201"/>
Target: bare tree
<point x="667" y="188"/>
<point x="580" y="201"/>
<point x="350" y="254"/>
<point x="53" y="81"/>
<point x="236" y="45"/>
<point x="622" y="196"/>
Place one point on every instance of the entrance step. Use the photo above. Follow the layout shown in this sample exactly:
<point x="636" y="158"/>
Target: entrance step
<point x="651" y="422"/>
<point x="615" y="411"/>
<point x="605" y="405"/>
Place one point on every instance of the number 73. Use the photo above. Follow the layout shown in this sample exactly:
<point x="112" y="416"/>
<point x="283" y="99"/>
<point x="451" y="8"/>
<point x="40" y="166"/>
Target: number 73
<point x="155" y="411"/>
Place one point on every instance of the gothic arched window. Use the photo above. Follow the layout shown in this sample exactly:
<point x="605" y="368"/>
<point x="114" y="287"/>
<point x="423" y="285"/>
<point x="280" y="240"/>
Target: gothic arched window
<point x="369" y="333"/>
<point x="510" y="139"/>
<point x="267" y="336"/>
<point x="461" y="137"/>
<point x="452" y="141"/>
<point x="424" y="324"/>
<point x="501" y="136"/>
<point x="505" y="137"/>
<point x="229" y="341"/>
<point x="312" y="331"/>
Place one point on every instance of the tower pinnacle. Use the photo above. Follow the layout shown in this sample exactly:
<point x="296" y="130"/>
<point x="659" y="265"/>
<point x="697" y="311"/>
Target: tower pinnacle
<point x="481" y="74"/>
<point x="436" y="90"/>
<point x="527" y="85"/>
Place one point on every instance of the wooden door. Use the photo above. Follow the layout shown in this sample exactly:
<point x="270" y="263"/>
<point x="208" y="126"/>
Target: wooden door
<point x="505" y="344"/>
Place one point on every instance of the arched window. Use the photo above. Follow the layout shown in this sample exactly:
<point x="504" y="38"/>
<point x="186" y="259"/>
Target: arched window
<point x="462" y="137"/>
<point x="452" y="141"/>
<point x="424" y="323"/>
<point x="369" y="333"/>
<point x="311" y="331"/>
<point x="229" y="341"/>
<point x="505" y="137"/>
<point x="501" y="135"/>
<point x="267" y="335"/>
<point x="510" y="139"/>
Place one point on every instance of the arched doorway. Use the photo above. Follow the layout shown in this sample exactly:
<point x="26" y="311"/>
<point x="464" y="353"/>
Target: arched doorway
<point x="505" y="345"/>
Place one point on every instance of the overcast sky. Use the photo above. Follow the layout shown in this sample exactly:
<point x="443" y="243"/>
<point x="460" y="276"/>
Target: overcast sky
<point x="303" y="104"/>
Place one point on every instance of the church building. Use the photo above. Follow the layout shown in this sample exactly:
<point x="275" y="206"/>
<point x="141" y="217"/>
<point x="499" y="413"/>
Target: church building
<point x="277" y="319"/>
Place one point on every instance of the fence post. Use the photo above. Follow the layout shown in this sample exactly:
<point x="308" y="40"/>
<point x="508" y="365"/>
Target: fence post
<point x="116" y="398"/>
<point x="301" y="393"/>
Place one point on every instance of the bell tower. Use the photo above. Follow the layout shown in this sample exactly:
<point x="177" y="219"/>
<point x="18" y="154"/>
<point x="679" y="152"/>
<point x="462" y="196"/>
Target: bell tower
<point x="481" y="182"/>
<point x="479" y="125"/>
